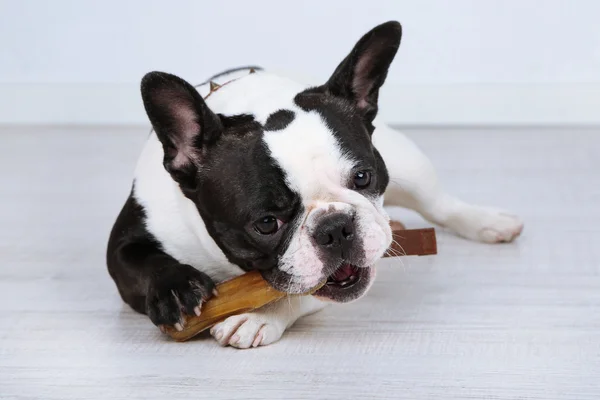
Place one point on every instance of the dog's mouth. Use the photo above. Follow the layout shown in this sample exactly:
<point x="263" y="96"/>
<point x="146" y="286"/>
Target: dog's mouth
<point x="344" y="277"/>
<point x="348" y="282"/>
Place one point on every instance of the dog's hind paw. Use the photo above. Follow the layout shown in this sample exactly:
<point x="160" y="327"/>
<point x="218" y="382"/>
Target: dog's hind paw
<point x="486" y="224"/>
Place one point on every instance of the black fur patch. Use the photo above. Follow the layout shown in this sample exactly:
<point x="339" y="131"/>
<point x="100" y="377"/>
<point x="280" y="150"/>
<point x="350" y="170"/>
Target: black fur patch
<point x="241" y="183"/>
<point x="279" y="120"/>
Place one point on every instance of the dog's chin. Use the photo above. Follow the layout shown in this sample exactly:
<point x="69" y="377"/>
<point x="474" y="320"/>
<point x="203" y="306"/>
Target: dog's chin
<point x="347" y="283"/>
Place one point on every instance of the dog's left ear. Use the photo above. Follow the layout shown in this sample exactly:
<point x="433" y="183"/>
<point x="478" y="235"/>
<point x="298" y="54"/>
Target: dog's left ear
<point x="360" y="75"/>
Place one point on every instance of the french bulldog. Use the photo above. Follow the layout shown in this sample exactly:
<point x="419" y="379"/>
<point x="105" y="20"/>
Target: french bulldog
<point x="256" y="171"/>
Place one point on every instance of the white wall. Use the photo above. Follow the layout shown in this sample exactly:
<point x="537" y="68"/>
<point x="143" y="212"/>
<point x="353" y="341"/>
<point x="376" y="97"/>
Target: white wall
<point x="461" y="61"/>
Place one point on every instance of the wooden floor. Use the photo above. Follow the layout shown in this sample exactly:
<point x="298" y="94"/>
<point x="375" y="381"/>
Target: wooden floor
<point x="514" y="321"/>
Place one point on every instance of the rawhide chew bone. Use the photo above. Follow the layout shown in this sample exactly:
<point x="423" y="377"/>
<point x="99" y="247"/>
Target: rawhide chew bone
<point x="250" y="291"/>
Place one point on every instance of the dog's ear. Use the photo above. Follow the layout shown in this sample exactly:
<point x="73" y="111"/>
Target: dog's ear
<point x="183" y="123"/>
<point x="360" y="75"/>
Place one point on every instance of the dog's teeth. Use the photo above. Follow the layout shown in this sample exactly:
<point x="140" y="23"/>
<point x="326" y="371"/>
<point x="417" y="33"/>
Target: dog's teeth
<point x="178" y="327"/>
<point x="197" y="311"/>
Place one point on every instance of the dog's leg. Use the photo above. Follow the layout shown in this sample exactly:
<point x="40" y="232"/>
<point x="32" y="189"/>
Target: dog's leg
<point x="266" y="325"/>
<point x="414" y="185"/>
<point x="149" y="280"/>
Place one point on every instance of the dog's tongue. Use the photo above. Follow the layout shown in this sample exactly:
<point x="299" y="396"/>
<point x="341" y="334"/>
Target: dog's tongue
<point x="342" y="273"/>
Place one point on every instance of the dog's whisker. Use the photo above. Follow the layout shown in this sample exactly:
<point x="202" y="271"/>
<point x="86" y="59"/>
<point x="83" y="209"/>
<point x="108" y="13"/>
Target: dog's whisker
<point x="397" y="253"/>
<point x="393" y="253"/>
<point x="403" y="252"/>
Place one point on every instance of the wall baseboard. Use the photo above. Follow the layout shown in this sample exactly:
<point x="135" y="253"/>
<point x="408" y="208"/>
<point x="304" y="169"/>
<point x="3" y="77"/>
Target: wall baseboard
<point x="431" y="105"/>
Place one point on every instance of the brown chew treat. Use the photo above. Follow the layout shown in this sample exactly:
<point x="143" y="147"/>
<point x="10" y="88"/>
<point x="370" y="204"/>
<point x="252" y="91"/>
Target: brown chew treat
<point x="413" y="242"/>
<point x="250" y="291"/>
<point x="237" y="296"/>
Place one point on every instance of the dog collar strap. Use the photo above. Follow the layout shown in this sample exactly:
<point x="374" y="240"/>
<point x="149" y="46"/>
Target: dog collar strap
<point x="215" y="86"/>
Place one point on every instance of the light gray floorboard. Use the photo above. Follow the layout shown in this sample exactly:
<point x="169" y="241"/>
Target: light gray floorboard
<point x="513" y="321"/>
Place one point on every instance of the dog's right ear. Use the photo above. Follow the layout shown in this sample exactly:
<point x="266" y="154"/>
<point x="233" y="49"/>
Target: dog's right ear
<point x="183" y="123"/>
<point x="361" y="74"/>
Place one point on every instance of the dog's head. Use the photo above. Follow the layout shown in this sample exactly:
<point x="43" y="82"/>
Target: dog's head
<point x="300" y="195"/>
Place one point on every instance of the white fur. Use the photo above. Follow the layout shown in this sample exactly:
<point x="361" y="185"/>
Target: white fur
<point x="317" y="169"/>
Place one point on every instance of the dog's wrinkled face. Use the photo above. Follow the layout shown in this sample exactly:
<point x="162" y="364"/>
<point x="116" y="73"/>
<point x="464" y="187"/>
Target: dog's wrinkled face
<point x="340" y="177"/>
<point x="299" y="196"/>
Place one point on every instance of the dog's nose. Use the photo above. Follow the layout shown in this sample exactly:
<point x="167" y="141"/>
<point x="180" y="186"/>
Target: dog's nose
<point x="335" y="231"/>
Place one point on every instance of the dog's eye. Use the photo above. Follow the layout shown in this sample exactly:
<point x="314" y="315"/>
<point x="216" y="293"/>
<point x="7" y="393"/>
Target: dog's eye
<point x="362" y="179"/>
<point x="267" y="225"/>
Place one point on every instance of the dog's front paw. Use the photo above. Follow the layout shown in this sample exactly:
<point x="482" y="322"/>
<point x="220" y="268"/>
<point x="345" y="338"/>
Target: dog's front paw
<point x="249" y="330"/>
<point x="487" y="224"/>
<point x="177" y="290"/>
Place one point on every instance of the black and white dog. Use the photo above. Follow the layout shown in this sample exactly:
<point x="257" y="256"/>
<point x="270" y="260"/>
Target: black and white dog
<point x="265" y="173"/>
